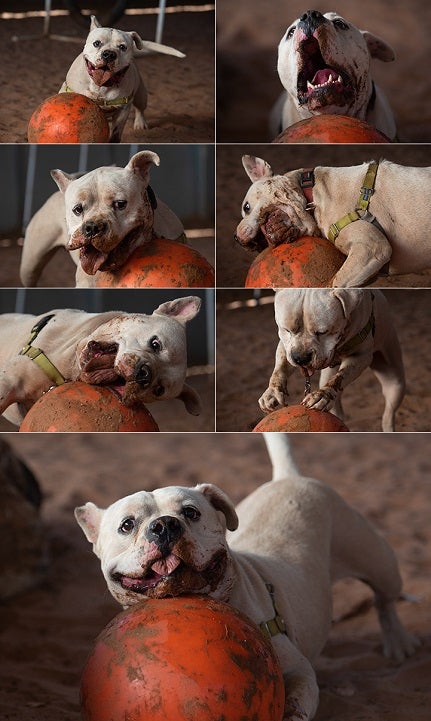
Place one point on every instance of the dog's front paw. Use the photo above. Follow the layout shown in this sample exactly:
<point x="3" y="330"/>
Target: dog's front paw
<point x="321" y="400"/>
<point x="272" y="399"/>
<point x="140" y="124"/>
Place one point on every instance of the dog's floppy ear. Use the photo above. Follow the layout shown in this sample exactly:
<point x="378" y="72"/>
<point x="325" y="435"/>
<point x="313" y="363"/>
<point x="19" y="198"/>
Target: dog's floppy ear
<point x="221" y="502"/>
<point x="349" y="298"/>
<point x="94" y="23"/>
<point x="182" y="309"/>
<point x="62" y="179"/>
<point x="378" y="48"/>
<point x="141" y="163"/>
<point x="89" y="518"/>
<point x="191" y="400"/>
<point x="256" y="168"/>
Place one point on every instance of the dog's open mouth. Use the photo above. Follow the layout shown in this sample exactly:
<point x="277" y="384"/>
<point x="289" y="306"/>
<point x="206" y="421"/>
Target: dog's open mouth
<point x="320" y="85"/>
<point x="104" y="75"/>
<point x="92" y="259"/>
<point x="172" y="576"/>
<point x="277" y="227"/>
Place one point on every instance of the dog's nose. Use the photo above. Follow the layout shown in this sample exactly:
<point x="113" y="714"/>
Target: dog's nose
<point x="164" y="531"/>
<point x="143" y="374"/>
<point x="301" y="359"/>
<point x="109" y="55"/>
<point x="91" y="229"/>
<point x="310" y="21"/>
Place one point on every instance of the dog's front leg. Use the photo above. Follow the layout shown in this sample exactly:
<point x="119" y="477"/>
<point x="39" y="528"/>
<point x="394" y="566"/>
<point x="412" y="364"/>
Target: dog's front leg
<point x="302" y="691"/>
<point x="118" y="123"/>
<point x="276" y="394"/>
<point x="367" y="250"/>
<point x="328" y="395"/>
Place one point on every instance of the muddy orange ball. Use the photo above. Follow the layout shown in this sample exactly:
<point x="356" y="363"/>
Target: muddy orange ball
<point x="299" y="419"/>
<point x="68" y="118"/>
<point x="331" y="129"/>
<point x="188" y="658"/>
<point x="80" y="407"/>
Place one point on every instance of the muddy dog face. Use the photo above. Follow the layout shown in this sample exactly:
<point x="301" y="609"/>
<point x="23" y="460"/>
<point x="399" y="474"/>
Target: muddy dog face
<point x="313" y="322"/>
<point x="324" y="64"/>
<point x="109" y="212"/>
<point x="142" y="357"/>
<point x="274" y="209"/>
<point x="165" y="543"/>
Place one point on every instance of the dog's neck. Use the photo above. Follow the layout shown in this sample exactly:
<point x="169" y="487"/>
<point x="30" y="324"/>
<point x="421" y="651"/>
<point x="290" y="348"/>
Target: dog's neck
<point x="306" y="182"/>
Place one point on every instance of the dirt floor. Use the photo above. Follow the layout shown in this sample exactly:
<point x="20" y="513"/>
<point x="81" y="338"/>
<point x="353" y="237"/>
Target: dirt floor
<point x="47" y="632"/>
<point x="248" y="33"/>
<point x="181" y="91"/>
<point x="233" y="261"/>
<point x="246" y="342"/>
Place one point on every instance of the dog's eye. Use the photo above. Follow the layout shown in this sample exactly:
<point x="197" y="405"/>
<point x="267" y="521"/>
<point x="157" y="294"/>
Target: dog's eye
<point x="119" y="204"/>
<point x="155" y="344"/>
<point x="290" y="32"/>
<point x="122" y="47"/>
<point x="340" y="24"/>
<point x="97" y="43"/>
<point x="320" y="332"/>
<point x="78" y="209"/>
<point x="246" y="207"/>
<point x="127" y="525"/>
<point x="158" y="391"/>
<point x="191" y="513"/>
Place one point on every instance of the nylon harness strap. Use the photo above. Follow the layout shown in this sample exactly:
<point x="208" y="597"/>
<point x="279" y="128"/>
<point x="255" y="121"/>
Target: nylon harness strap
<point x="275" y="625"/>
<point x="107" y="103"/>
<point x="367" y="191"/>
<point x="38" y="356"/>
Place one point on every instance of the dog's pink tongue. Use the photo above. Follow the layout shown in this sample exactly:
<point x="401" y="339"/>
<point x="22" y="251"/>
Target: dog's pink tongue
<point x="322" y="76"/>
<point x="101" y="76"/>
<point x="166" y="565"/>
<point x="91" y="259"/>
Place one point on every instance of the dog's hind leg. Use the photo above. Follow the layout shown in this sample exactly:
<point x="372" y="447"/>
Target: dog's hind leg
<point x="389" y="371"/>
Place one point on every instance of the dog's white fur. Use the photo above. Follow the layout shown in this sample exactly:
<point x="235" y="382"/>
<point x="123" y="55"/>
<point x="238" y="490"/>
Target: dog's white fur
<point x="401" y="203"/>
<point x="144" y="357"/>
<point x="294" y="533"/>
<point x="100" y="218"/>
<point x="348" y="51"/>
<point x="314" y="326"/>
<point x="114" y="51"/>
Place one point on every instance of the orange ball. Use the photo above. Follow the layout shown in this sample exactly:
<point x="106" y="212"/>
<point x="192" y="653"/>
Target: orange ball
<point x="68" y="118"/>
<point x="299" y="419"/>
<point x="161" y="264"/>
<point x="78" y="406"/>
<point x="309" y="262"/>
<point x="331" y="129"/>
<point x="187" y="658"/>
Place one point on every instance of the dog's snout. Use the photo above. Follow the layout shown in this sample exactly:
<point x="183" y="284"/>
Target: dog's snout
<point x="143" y="374"/>
<point x="109" y="55"/>
<point x="91" y="229"/>
<point x="302" y="358"/>
<point x="164" y="531"/>
<point x="310" y="21"/>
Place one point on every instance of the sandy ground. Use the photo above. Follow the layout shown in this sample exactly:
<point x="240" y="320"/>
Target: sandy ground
<point x="246" y="342"/>
<point x="248" y="84"/>
<point x="47" y="632"/>
<point x="181" y="91"/>
<point x="233" y="261"/>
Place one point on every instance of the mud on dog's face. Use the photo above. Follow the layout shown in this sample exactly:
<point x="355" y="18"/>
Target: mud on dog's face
<point x="324" y="63"/>
<point x="143" y="358"/>
<point x="311" y="324"/>
<point x="165" y="543"/>
<point x="270" y="194"/>
<point x="109" y="211"/>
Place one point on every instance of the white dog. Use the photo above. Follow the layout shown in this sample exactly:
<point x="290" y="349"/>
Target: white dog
<point x="340" y="333"/>
<point x="106" y="72"/>
<point x="380" y="228"/>
<point x="100" y="217"/>
<point x="143" y="358"/>
<point x="295" y="537"/>
<point x="324" y="66"/>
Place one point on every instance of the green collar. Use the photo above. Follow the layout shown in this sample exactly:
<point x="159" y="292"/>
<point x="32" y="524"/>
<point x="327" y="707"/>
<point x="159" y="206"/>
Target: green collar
<point x="38" y="356"/>
<point x="105" y="103"/>
<point x="277" y="624"/>
<point x="361" y="210"/>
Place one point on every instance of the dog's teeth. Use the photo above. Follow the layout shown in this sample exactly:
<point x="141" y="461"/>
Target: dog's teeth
<point x="339" y="79"/>
<point x="310" y="86"/>
<point x="330" y="80"/>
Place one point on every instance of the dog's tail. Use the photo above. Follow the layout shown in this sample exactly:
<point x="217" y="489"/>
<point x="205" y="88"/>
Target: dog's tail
<point x="280" y="454"/>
